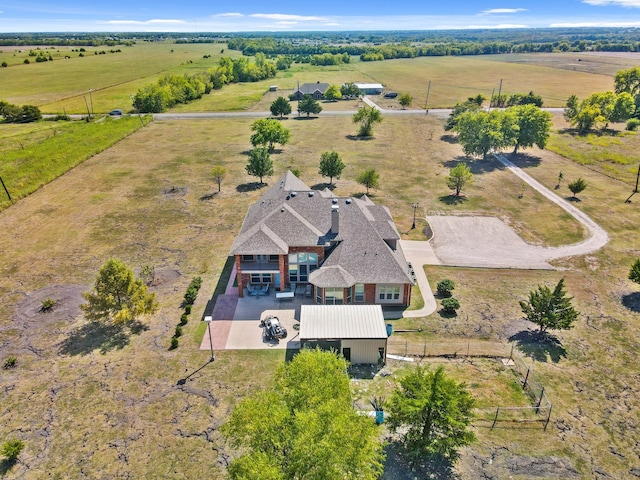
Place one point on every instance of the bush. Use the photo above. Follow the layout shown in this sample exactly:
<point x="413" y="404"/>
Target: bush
<point x="633" y="124"/>
<point x="187" y="309"/>
<point x="47" y="304"/>
<point x="445" y="287"/>
<point x="178" y="331"/>
<point x="450" y="305"/>
<point x="10" y="362"/>
<point x="11" y="449"/>
<point x="184" y="319"/>
<point x="192" y="291"/>
<point x="174" y="343"/>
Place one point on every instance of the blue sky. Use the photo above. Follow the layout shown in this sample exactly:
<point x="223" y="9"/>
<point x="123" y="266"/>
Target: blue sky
<point x="301" y="15"/>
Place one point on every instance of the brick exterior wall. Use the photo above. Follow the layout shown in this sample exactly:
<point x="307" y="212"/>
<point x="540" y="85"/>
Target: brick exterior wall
<point x="370" y="293"/>
<point x="241" y="284"/>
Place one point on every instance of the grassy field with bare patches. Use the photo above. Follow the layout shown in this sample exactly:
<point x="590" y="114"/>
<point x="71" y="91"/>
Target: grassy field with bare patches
<point x="102" y="403"/>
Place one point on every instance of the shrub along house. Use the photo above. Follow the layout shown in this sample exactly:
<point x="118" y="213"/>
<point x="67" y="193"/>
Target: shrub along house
<point x="340" y="250"/>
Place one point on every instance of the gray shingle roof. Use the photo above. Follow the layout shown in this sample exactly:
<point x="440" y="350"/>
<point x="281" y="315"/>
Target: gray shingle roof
<point x="290" y="214"/>
<point x="310" y="88"/>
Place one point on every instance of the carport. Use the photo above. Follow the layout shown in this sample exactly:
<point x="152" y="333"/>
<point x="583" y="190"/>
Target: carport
<point x="358" y="332"/>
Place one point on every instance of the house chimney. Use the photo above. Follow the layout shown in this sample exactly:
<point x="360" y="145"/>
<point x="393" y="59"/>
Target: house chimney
<point x="335" y="219"/>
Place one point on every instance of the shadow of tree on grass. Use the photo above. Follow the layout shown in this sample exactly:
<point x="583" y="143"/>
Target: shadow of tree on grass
<point x="322" y="186"/>
<point x="250" y="187"/>
<point x="452" y="199"/>
<point x="6" y="465"/>
<point x="539" y="346"/>
<point x="100" y="336"/>
<point x="397" y="467"/>
<point x="632" y="301"/>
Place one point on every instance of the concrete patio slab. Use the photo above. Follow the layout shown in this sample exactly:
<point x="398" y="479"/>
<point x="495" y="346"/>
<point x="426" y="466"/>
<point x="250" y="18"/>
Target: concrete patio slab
<point x="248" y="335"/>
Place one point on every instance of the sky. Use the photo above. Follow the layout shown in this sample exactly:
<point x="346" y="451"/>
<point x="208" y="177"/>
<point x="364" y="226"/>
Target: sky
<point x="300" y="15"/>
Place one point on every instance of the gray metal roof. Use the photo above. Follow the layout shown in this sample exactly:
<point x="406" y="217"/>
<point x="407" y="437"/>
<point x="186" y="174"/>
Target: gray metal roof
<point x="290" y="214"/>
<point x="341" y="322"/>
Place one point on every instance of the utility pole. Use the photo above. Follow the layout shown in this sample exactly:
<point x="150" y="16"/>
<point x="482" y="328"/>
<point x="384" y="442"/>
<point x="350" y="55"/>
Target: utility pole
<point x="5" y="189"/>
<point x="93" y="113"/>
<point x="499" y="92"/>
<point x="87" y="105"/>
<point x="635" y="190"/>
<point x="415" y="207"/>
<point x="491" y="99"/>
<point x="426" y="103"/>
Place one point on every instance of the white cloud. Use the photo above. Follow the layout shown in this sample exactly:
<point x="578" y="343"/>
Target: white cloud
<point x="230" y="14"/>
<point x="146" y="22"/>
<point x="619" y="3"/>
<point x="501" y="25"/>
<point x="498" y="11"/>
<point x="595" y="24"/>
<point x="284" y="17"/>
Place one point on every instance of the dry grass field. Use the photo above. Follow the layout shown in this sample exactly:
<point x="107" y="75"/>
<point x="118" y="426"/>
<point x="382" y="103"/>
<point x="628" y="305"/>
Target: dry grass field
<point x="97" y="402"/>
<point x="63" y="85"/>
<point x="109" y="403"/>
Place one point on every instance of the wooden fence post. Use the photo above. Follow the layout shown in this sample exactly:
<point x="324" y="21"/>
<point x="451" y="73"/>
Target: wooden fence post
<point x="524" y="384"/>
<point x="406" y="348"/>
<point x="540" y="400"/>
<point x="424" y="350"/>
<point x="496" y="418"/>
<point x="548" y="418"/>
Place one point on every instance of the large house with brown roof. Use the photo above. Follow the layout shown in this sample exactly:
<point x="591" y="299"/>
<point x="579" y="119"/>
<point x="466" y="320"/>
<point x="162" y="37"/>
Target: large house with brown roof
<point x="339" y="250"/>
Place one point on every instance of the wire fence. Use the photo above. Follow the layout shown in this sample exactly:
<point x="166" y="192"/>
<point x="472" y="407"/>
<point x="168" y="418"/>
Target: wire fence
<point x="536" y="415"/>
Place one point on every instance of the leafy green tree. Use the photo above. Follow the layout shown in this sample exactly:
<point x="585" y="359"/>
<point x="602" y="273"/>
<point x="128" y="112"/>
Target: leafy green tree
<point x="434" y="413"/>
<point x="458" y="177"/>
<point x="280" y="107"/>
<point x="367" y="116"/>
<point x="577" y="186"/>
<point x="11" y="450"/>
<point x="309" y="105"/>
<point x="369" y="178"/>
<point x="481" y="132"/>
<point x="349" y="89"/>
<point x="550" y="309"/>
<point x="405" y="100"/>
<point x="634" y="273"/>
<point x="628" y="81"/>
<point x="304" y="426"/>
<point x="117" y="295"/>
<point x="260" y="163"/>
<point x="152" y="99"/>
<point x="269" y="131"/>
<point x="599" y="109"/>
<point x="331" y="165"/>
<point x="534" y="126"/>
<point x="218" y="173"/>
<point x="333" y="93"/>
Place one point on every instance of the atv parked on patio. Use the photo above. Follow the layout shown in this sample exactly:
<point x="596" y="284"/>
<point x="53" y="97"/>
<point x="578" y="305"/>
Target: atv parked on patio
<point x="273" y="329"/>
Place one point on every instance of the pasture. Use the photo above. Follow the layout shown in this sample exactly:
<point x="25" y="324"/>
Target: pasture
<point x="102" y="402"/>
<point x="64" y="84"/>
<point x="150" y="200"/>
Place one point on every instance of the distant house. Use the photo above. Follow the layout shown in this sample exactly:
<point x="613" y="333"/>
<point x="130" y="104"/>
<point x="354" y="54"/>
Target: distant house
<point x="370" y="88"/>
<point x="338" y="250"/>
<point x="358" y="332"/>
<point x="316" y="90"/>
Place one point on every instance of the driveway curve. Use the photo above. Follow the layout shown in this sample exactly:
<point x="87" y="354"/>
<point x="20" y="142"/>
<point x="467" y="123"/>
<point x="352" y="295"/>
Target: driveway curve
<point x="490" y="243"/>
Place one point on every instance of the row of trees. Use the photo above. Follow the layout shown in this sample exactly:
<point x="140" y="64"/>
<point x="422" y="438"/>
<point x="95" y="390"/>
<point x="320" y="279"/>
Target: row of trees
<point x="481" y="132"/>
<point x="171" y="90"/>
<point x="19" y="114"/>
<point x="305" y="425"/>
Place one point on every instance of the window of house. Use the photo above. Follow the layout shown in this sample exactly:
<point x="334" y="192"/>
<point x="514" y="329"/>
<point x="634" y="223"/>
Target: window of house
<point x="248" y="258"/>
<point x="260" y="278"/>
<point x="333" y="296"/>
<point x="349" y="293"/>
<point x="387" y="293"/>
<point x="273" y="258"/>
<point x="359" y="294"/>
<point x="319" y="295"/>
<point x="301" y="265"/>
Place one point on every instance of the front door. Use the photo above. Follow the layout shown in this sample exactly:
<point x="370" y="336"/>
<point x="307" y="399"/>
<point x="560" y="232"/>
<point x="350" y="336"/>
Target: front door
<point x="346" y="353"/>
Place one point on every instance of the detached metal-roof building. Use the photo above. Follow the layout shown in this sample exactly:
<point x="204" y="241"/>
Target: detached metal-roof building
<point x="358" y="332"/>
<point x="370" y="88"/>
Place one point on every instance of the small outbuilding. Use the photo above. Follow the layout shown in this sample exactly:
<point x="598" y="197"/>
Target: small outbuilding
<point x="358" y="332"/>
<point x="370" y="88"/>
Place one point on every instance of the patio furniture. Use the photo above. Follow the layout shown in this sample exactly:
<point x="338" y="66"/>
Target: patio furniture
<point x="284" y="295"/>
<point x="252" y="290"/>
<point x="308" y="290"/>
